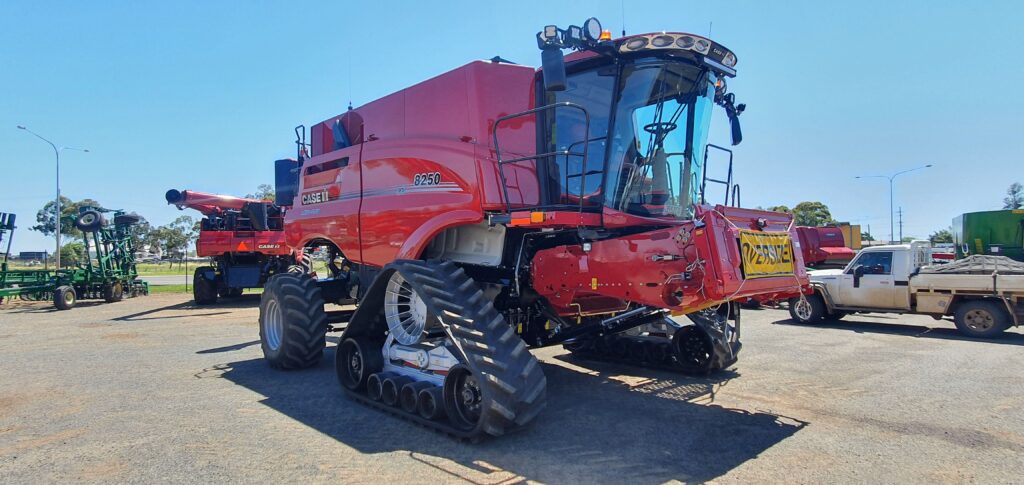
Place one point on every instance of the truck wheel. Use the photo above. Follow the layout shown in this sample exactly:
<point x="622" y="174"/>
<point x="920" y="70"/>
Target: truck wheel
<point x="293" y="324"/>
<point x="981" y="318"/>
<point x="64" y="298"/>
<point x="810" y="310"/>
<point x="113" y="292"/>
<point x="204" y="291"/>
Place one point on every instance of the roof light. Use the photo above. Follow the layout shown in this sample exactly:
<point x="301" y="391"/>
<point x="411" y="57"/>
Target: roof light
<point x="729" y="60"/>
<point x="605" y="35"/>
<point x="662" y="41"/>
<point x="702" y="46"/>
<point x="636" y="43"/>
<point x="592" y="29"/>
<point x="685" y="42"/>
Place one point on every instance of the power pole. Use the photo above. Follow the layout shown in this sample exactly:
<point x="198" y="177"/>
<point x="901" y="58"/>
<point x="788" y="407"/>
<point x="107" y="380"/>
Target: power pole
<point x="900" y="212"/>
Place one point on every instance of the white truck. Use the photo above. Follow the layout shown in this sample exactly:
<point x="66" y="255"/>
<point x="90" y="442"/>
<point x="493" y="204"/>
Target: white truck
<point x="983" y="294"/>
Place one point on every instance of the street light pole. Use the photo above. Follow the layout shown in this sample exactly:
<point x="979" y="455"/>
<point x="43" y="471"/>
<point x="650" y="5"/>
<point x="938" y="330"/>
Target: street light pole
<point x="892" y="178"/>
<point x="56" y="153"/>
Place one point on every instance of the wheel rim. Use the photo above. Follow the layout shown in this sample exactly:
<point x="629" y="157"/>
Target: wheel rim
<point x="273" y="325"/>
<point x="802" y="308"/>
<point x="404" y="311"/>
<point x="692" y="348"/>
<point x="69" y="297"/>
<point x="354" y="364"/>
<point x="979" y="320"/>
<point x="464" y="398"/>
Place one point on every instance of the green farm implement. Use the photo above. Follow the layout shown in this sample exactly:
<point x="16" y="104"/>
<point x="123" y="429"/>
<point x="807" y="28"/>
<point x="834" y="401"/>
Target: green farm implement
<point x="106" y="272"/>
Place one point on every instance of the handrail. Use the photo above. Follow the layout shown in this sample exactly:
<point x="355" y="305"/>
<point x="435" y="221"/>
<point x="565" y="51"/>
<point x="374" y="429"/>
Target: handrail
<point x="539" y="156"/>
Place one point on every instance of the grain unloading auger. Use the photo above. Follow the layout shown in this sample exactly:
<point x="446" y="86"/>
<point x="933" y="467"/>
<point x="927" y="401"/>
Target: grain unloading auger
<point x="244" y="239"/>
<point x="498" y="207"/>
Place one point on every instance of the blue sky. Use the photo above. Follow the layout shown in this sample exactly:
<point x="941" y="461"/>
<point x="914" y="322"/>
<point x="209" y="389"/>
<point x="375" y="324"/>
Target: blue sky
<point x="204" y="95"/>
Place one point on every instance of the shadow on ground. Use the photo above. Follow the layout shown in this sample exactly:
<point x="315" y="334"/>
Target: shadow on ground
<point x="244" y="301"/>
<point x="921" y="331"/>
<point x="594" y="429"/>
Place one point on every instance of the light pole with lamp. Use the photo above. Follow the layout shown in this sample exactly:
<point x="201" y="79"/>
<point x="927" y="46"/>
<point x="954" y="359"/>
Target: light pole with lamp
<point x="892" y="227"/>
<point x="56" y="152"/>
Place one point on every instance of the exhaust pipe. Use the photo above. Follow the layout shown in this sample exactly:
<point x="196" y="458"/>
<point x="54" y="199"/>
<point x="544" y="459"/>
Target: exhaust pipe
<point x="408" y="396"/>
<point x="429" y="403"/>
<point x="389" y="389"/>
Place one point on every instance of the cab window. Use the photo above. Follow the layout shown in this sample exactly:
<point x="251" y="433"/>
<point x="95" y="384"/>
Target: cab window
<point x="879" y="263"/>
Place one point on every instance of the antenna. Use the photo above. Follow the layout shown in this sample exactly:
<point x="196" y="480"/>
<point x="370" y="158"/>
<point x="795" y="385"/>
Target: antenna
<point x="622" y="3"/>
<point x="710" y="24"/>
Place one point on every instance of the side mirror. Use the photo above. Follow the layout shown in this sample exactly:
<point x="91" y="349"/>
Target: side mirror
<point x="553" y="65"/>
<point x="286" y="181"/>
<point x="858" y="271"/>
<point x="737" y="132"/>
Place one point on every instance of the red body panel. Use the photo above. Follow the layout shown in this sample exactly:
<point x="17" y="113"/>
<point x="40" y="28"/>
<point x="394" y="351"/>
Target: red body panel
<point x="635" y="268"/>
<point x="217" y="243"/>
<point x="824" y="245"/>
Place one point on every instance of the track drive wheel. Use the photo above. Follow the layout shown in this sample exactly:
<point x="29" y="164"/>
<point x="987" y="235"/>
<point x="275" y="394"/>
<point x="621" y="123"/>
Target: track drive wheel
<point x="204" y="291"/>
<point x="293" y="324"/>
<point x="64" y="297"/>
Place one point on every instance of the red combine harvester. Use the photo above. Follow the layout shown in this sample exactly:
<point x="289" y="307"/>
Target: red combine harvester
<point x="824" y="247"/>
<point x="498" y="207"/>
<point x="244" y="237"/>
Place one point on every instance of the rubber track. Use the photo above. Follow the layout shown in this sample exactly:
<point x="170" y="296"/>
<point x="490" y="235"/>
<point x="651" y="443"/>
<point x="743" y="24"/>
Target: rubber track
<point x="305" y="334"/>
<point x="513" y="385"/>
<point x="669" y="364"/>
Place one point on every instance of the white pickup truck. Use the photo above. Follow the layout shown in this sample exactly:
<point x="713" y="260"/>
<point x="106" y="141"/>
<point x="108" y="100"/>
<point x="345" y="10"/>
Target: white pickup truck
<point x="984" y="294"/>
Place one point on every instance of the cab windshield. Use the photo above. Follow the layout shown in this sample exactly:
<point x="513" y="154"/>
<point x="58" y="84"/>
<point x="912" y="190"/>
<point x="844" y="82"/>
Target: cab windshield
<point x="644" y="150"/>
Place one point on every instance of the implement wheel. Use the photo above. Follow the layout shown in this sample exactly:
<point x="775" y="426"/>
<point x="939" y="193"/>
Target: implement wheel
<point x="113" y="292"/>
<point x="293" y="324"/>
<point x="809" y="310"/>
<point x="64" y="298"/>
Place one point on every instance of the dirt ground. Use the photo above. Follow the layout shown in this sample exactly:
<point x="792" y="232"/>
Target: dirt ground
<point x="155" y="389"/>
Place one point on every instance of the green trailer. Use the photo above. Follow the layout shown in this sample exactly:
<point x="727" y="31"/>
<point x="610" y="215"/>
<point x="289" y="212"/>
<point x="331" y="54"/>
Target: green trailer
<point x="999" y="233"/>
<point x="107" y="272"/>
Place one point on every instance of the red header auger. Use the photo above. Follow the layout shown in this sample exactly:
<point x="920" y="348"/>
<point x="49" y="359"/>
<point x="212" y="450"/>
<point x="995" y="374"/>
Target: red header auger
<point x="498" y="207"/>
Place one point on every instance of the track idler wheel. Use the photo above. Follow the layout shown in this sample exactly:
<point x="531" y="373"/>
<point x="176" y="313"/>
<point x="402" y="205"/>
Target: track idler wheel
<point x="390" y="387"/>
<point x="463" y="397"/>
<point x="355" y="361"/>
<point x="375" y="385"/>
<point x="409" y="395"/>
<point x="430" y="403"/>
<point x="693" y="350"/>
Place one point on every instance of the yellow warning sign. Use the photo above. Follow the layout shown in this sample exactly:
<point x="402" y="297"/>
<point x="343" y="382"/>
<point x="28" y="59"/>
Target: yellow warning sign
<point x="766" y="254"/>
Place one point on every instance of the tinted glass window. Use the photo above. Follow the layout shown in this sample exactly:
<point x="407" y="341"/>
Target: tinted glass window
<point x="875" y="263"/>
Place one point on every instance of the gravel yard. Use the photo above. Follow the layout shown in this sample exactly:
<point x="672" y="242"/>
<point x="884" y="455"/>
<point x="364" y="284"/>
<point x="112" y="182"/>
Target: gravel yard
<point x="156" y="389"/>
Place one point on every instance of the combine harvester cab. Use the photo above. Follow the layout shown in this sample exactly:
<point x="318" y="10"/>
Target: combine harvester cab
<point x="498" y="206"/>
<point x="244" y="238"/>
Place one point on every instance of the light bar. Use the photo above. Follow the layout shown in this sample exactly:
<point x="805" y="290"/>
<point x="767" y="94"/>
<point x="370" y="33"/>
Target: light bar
<point x="713" y="52"/>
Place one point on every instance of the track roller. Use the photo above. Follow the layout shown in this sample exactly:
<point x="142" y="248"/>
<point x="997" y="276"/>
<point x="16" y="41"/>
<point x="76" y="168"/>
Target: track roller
<point x="389" y="388"/>
<point x="409" y="395"/>
<point x="429" y="403"/>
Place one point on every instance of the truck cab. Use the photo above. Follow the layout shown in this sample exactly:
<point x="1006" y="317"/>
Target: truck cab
<point x="878" y="278"/>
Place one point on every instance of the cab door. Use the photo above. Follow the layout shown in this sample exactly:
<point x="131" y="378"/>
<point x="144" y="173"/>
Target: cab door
<point x="868" y="282"/>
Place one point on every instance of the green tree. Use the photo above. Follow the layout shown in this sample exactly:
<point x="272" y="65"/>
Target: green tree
<point x="907" y="239"/>
<point x="72" y="253"/>
<point x="941" y="236"/>
<point x="780" y="208"/>
<point x="1014" y="196"/>
<point x="47" y="224"/>
<point x="263" y="192"/>
<point x="812" y="214"/>
<point x="173" y="238"/>
<point x="866" y="236"/>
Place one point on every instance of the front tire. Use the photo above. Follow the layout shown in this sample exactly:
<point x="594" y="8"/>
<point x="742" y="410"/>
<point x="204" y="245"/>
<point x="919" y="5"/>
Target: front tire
<point x="293" y="324"/>
<point x="808" y="310"/>
<point x="204" y="291"/>
<point x="981" y="318"/>
<point x="113" y="293"/>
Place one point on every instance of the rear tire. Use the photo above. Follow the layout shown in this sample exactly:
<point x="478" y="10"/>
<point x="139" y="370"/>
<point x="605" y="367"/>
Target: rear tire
<point x="981" y="318"/>
<point x="204" y="291"/>
<point x="808" y="311"/>
<point x="64" y="298"/>
<point x="293" y="324"/>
